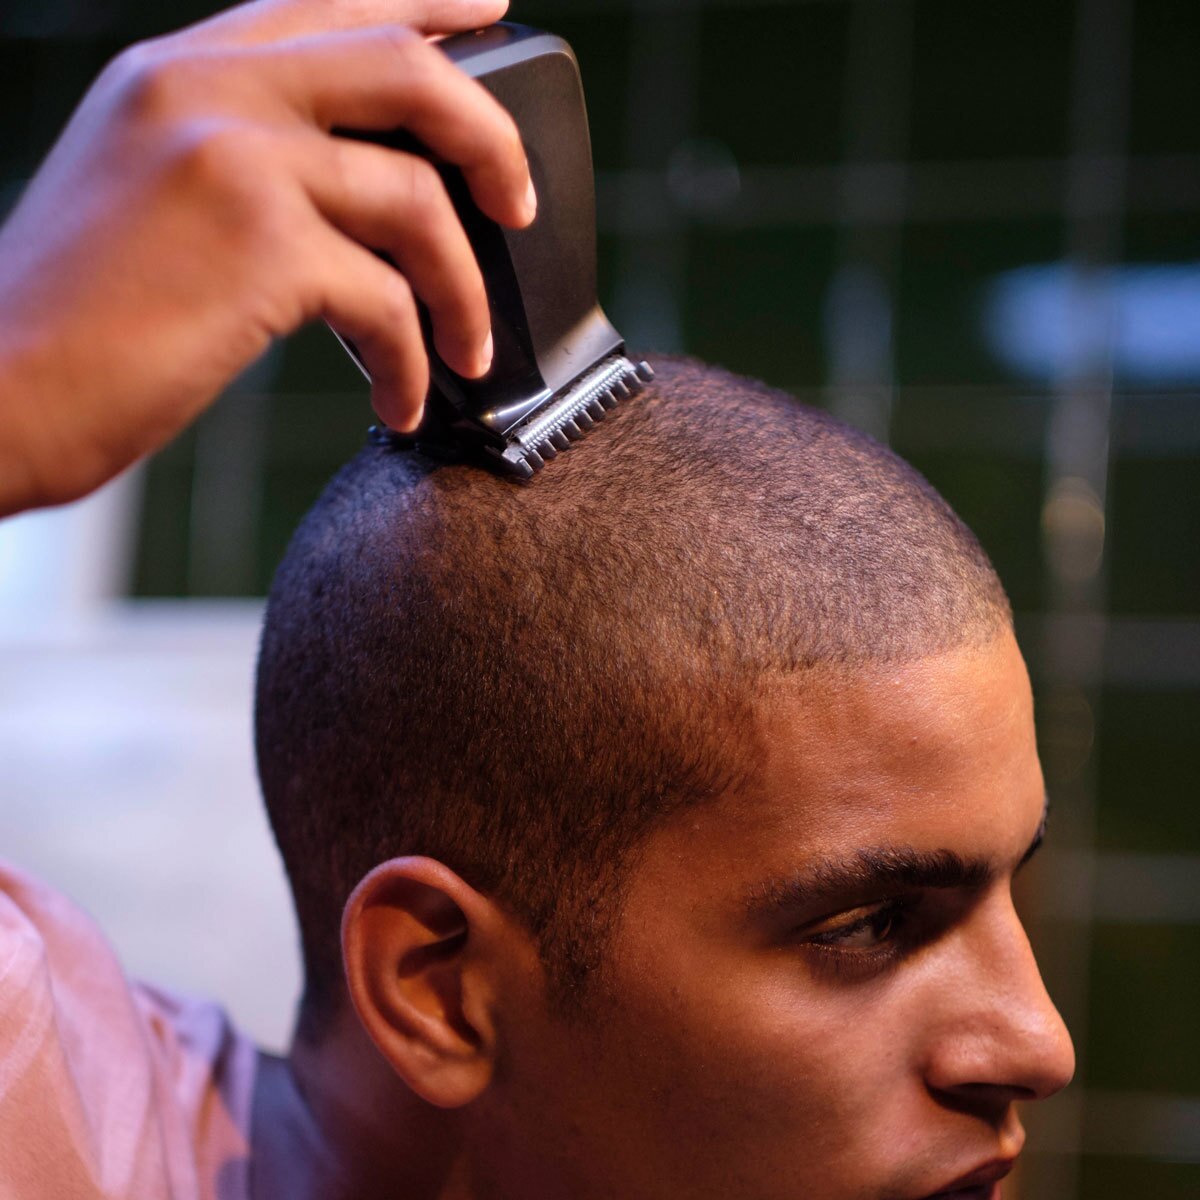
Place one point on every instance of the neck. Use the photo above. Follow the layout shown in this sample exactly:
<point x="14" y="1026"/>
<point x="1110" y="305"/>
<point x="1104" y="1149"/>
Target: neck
<point x="334" y="1121"/>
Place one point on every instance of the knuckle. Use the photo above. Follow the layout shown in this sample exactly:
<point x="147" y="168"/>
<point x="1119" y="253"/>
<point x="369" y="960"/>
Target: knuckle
<point x="226" y="167"/>
<point x="423" y="69"/>
<point x="511" y="145"/>
<point x="132" y="60"/>
<point x="404" y="41"/>
<point x="217" y="152"/>
<point x="270" y="229"/>
<point x="397" y="309"/>
<point x="127" y="62"/>
<point x="422" y="190"/>
<point x="341" y="167"/>
<point x="152" y="84"/>
<point x="474" y="299"/>
<point x="497" y="138"/>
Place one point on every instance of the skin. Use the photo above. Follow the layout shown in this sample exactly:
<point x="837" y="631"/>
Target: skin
<point x="198" y="206"/>
<point x="752" y="1038"/>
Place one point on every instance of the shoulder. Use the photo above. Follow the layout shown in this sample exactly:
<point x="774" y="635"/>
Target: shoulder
<point x="108" y="1086"/>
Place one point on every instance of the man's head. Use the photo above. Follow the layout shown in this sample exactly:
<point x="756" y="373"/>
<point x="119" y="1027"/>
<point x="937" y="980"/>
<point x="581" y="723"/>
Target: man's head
<point x="724" y="673"/>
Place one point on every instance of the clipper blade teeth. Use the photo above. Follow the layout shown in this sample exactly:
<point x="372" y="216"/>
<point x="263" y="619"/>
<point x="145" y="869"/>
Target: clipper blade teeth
<point x="568" y="418"/>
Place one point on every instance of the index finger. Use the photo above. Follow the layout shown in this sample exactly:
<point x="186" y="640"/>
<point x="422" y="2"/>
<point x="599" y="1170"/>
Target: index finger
<point x="266" y="21"/>
<point x="391" y="78"/>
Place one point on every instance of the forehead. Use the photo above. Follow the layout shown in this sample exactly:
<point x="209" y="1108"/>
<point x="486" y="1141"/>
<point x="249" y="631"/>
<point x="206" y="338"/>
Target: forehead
<point x="934" y="754"/>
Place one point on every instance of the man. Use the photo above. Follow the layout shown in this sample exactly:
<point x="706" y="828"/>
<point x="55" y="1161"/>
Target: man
<point x="651" y="828"/>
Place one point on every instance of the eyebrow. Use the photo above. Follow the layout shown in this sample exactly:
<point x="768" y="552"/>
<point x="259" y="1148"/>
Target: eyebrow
<point x="876" y="869"/>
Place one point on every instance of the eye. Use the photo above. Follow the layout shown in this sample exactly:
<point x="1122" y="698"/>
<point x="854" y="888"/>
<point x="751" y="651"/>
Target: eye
<point x="865" y="929"/>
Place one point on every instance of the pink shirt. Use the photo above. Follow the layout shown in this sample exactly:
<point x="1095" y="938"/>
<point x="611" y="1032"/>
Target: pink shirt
<point x="108" y="1087"/>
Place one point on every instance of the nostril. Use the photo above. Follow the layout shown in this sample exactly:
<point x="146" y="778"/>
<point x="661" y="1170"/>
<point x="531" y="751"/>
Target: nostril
<point x="986" y="1101"/>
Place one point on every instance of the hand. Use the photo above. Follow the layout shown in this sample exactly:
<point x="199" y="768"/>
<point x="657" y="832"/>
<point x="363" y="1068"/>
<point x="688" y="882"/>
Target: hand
<point x="197" y="206"/>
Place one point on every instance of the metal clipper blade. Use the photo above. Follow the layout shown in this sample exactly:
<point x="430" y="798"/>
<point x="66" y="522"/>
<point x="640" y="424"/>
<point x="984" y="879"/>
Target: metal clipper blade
<point x="570" y="416"/>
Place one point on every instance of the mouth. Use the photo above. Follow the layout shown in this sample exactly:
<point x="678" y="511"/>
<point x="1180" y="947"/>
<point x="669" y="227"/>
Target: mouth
<point x="983" y="1191"/>
<point x="983" y="1183"/>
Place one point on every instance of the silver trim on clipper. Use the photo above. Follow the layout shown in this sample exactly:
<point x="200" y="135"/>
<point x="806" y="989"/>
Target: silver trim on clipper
<point x="566" y="419"/>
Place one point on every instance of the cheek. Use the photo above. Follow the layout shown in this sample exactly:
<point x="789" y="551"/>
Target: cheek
<point x="766" y="1072"/>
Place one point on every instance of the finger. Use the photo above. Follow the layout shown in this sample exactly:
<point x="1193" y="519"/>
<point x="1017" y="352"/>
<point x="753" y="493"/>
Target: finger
<point x="370" y="303"/>
<point x="397" y="203"/>
<point x="391" y="78"/>
<point x="276" y="20"/>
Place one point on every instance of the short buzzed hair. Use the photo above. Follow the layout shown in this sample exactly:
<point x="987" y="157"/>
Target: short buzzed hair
<point x="519" y="680"/>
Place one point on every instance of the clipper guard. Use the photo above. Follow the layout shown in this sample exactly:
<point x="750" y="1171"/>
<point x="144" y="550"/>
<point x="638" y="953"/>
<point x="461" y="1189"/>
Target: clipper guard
<point x="559" y="366"/>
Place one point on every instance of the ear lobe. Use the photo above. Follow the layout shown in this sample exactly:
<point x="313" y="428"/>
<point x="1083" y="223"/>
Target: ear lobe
<point x="411" y="941"/>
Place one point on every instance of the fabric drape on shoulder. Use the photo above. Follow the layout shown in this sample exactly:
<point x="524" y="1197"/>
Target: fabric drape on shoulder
<point x="108" y="1087"/>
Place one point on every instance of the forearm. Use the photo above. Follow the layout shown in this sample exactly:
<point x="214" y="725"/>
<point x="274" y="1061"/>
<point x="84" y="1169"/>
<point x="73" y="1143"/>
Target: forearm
<point x="52" y="450"/>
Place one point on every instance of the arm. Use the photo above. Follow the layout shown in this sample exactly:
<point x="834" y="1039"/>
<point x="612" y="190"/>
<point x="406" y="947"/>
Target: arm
<point x="197" y="206"/>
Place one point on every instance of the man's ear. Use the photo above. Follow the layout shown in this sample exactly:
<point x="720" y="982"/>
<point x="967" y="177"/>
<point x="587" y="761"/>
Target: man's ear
<point x="421" y="950"/>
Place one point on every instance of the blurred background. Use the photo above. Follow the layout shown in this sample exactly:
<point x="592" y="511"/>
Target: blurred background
<point x="973" y="230"/>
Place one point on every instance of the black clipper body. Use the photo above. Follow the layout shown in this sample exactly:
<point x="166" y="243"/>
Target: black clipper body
<point x="558" y="364"/>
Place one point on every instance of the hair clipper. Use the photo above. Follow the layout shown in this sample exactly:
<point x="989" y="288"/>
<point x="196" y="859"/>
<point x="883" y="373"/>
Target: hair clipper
<point x="558" y="365"/>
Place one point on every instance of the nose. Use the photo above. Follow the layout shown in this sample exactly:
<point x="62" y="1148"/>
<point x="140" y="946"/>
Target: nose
<point x="999" y="1037"/>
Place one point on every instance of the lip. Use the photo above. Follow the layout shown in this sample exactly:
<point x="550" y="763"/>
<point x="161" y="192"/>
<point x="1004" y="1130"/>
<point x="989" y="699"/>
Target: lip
<point x="979" y="1184"/>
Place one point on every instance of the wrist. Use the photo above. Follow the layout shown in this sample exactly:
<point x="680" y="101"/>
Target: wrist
<point x="24" y="480"/>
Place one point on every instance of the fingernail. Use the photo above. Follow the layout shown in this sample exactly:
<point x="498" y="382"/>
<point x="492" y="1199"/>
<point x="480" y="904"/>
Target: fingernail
<point x="485" y="354"/>
<point x="397" y="413"/>
<point x="411" y="426"/>
<point x="531" y="201"/>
